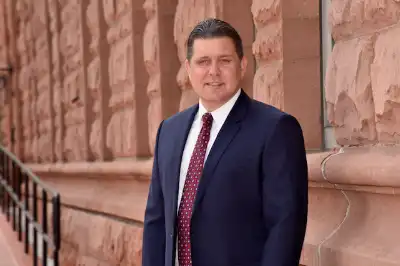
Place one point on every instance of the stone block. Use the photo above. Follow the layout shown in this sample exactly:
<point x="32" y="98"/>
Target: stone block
<point x="347" y="224"/>
<point x="268" y="84"/>
<point x="92" y="240"/>
<point x="349" y="94"/>
<point x="353" y="17"/>
<point x="386" y="85"/>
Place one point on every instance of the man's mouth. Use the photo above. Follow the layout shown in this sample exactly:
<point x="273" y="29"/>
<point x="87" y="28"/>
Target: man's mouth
<point x="214" y="84"/>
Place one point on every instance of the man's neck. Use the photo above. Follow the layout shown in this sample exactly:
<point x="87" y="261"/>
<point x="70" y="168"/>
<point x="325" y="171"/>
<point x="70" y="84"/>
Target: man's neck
<point x="212" y="106"/>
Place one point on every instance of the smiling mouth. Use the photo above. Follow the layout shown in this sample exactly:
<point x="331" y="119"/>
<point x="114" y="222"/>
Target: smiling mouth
<point x="214" y="84"/>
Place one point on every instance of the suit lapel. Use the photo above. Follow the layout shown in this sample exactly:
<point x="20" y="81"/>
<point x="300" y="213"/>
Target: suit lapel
<point x="181" y="135"/>
<point x="226" y="135"/>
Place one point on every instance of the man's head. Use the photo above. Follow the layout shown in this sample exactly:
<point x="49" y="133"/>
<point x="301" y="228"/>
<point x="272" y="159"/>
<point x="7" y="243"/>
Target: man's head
<point x="215" y="62"/>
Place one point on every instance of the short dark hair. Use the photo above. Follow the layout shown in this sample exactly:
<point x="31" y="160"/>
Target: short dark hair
<point x="212" y="28"/>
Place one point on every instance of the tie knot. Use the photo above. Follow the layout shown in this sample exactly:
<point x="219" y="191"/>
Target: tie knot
<point x="207" y="119"/>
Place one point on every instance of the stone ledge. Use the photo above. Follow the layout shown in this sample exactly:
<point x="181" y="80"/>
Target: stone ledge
<point x="121" y="168"/>
<point x="358" y="168"/>
<point x="118" y="188"/>
<point x="351" y="228"/>
<point x="104" y="242"/>
<point x="347" y="223"/>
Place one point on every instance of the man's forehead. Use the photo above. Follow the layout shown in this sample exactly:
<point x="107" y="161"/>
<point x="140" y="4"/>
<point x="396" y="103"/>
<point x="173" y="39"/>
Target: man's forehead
<point x="221" y="46"/>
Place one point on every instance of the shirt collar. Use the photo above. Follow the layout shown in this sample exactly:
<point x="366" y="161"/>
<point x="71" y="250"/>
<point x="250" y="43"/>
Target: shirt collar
<point x="219" y="115"/>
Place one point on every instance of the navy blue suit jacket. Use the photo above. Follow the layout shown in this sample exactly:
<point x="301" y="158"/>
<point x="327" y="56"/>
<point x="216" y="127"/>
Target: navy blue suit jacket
<point x="251" y="204"/>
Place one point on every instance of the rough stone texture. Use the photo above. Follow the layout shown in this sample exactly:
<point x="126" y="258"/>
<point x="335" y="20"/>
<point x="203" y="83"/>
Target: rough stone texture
<point x="267" y="49"/>
<point x="347" y="224"/>
<point x="152" y="62"/>
<point x="23" y="42"/>
<point x="362" y="82"/>
<point x="386" y="85"/>
<point x="56" y="66"/>
<point x="93" y="79"/>
<point x="127" y="102"/>
<point x="106" y="242"/>
<point x="161" y="64"/>
<point x="4" y="132"/>
<point x="72" y="90"/>
<point x="351" y="18"/>
<point x="287" y="52"/>
<point x="43" y="77"/>
<point x="349" y="93"/>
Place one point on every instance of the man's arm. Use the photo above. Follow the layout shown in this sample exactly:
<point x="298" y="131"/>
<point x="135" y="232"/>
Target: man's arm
<point x="285" y="193"/>
<point x="153" y="253"/>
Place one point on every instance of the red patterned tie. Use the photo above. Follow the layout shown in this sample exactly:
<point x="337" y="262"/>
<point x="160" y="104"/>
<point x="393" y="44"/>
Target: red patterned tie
<point x="189" y="191"/>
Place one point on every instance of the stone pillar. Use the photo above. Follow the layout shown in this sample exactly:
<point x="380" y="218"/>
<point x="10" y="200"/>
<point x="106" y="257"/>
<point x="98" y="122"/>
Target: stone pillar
<point x="363" y="81"/>
<point x="97" y="78"/>
<point x="161" y="64"/>
<point x="353" y="189"/>
<point x="57" y="79"/>
<point x="44" y="82"/>
<point x="127" y="130"/>
<point x="75" y="99"/>
<point x="12" y="91"/>
<point x="25" y="47"/>
<point x="287" y="52"/>
<point x="4" y="117"/>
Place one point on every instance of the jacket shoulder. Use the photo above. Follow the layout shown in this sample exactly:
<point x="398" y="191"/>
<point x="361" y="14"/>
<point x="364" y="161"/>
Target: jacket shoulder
<point x="179" y="117"/>
<point x="268" y="112"/>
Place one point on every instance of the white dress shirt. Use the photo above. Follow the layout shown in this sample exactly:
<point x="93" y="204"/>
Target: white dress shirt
<point x="219" y="116"/>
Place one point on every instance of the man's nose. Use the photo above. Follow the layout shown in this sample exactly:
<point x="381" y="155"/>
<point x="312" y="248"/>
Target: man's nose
<point x="214" y="69"/>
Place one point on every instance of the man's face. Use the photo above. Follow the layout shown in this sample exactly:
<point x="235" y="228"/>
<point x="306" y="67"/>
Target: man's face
<point x="215" y="70"/>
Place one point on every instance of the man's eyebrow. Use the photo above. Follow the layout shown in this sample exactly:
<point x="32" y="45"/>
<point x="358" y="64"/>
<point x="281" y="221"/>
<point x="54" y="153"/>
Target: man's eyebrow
<point x="206" y="56"/>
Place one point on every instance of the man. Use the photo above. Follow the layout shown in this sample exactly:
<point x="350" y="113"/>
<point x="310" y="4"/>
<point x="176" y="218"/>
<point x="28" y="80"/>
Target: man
<point x="229" y="182"/>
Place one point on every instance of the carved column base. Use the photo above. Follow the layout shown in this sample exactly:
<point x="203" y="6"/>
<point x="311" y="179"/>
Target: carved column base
<point x="354" y="199"/>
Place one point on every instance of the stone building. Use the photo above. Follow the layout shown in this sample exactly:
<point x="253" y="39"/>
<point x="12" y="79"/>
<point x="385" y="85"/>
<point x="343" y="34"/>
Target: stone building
<point x="92" y="79"/>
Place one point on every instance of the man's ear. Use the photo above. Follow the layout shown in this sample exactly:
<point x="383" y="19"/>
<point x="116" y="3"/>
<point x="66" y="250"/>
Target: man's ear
<point x="187" y="67"/>
<point x="243" y="66"/>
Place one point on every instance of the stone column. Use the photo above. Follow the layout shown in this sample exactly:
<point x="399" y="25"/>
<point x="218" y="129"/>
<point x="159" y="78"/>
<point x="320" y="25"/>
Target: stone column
<point x="354" y="191"/>
<point x="44" y="82"/>
<point x="127" y="130"/>
<point x="75" y="100"/>
<point x="12" y="91"/>
<point x="4" y="117"/>
<point x="363" y="81"/>
<point x="161" y="64"/>
<point x="23" y="78"/>
<point x="287" y="52"/>
<point x="57" y="79"/>
<point x="97" y="78"/>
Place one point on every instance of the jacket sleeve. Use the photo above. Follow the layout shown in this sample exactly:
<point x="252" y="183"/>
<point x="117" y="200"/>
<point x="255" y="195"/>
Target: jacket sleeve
<point x="285" y="193"/>
<point x="153" y="247"/>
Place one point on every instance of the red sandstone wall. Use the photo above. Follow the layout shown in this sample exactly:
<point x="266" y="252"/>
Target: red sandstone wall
<point x="93" y="79"/>
<point x="362" y="87"/>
